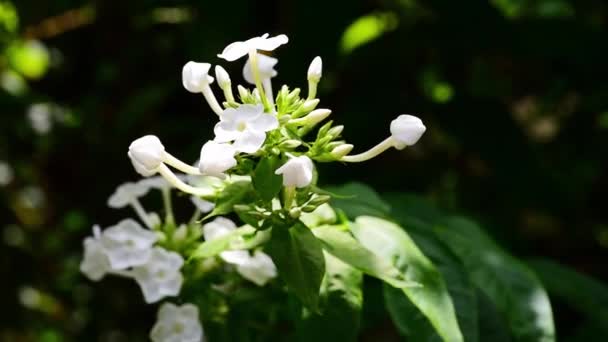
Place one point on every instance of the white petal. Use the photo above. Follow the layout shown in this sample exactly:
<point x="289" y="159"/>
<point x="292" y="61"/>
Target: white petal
<point x="297" y="172"/>
<point x="235" y="257"/>
<point x="265" y="67"/>
<point x="220" y="226"/>
<point x="270" y="44"/>
<point x="195" y="76"/>
<point x="202" y="205"/>
<point x="407" y="130"/>
<point x="234" y="51"/>
<point x="147" y="152"/>
<point x="264" y="123"/>
<point x="249" y="141"/>
<point x="216" y="158"/>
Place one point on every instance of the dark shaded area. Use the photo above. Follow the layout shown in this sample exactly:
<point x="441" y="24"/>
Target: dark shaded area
<point x="513" y="93"/>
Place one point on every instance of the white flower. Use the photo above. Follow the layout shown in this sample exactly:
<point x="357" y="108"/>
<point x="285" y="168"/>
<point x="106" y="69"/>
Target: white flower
<point x="297" y="172"/>
<point x="258" y="268"/>
<point x="223" y="79"/>
<point x="6" y="173"/>
<point x="265" y="67"/>
<point x="219" y="227"/>
<point x="315" y="70"/>
<point x="406" y="130"/>
<point x="195" y="76"/>
<point x="126" y="193"/>
<point x="127" y="244"/>
<point x="216" y="158"/>
<point x="246" y="126"/>
<point x="177" y="324"/>
<point x="160" y="276"/>
<point x="202" y="205"/>
<point x="146" y="154"/>
<point x="237" y="50"/>
<point x="95" y="263"/>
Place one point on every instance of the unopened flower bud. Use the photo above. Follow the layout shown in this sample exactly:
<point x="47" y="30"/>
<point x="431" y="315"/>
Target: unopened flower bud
<point x="295" y="212"/>
<point x="315" y="70"/>
<point x="335" y="131"/>
<point x="180" y="233"/>
<point x="223" y="79"/>
<point x="293" y="95"/>
<point x="317" y="116"/>
<point x="216" y="158"/>
<point x="243" y="92"/>
<point x="341" y="151"/>
<point x="319" y="199"/>
<point x="406" y="130"/>
<point x="309" y="105"/>
<point x="297" y="171"/>
<point x="290" y="144"/>
<point x="146" y="154"/>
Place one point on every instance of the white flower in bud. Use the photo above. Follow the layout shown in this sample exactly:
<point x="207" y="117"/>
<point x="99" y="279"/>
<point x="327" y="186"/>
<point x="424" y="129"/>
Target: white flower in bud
<point x="316" y="116"/>
<point x="309" y="105"/>
<point x="160" y="276"/>
<point x="195" y="76"/>
<point x="216" y="158"/>
<point x="223" y="79"/>
<point x="127" y="244"/>
<point x="315" y="70"/>
<point x="341" y="151"/>
<point x="297" y="171"/>
<point x="237" y="50"/>
<point x="265" y="67"/>
<point x="126" y="193"/>
<point x="406" y="130"/>
<point x="146" y="154"/>
<point x="177" y="324"/>
<point x="246" y="126"/>
<point x="202" y="205"/>
<point x="95" y="263"/>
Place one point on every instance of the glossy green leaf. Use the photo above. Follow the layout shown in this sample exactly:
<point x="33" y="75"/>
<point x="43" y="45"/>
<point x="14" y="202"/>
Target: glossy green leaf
<point x="214" y="247"/>
<point x="511" y="286"/>
<point x="357" y="199"/>
<point x="299" y="259"/>
<point x="391" y="242"/>
<point x="341" y="244"/>
<point x="340" y="305"/>
<point x="264" y="180"/>
<point x="232" y="194"/>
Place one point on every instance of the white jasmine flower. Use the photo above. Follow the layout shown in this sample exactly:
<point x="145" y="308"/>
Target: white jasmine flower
<point x="195" y="76"/>
<point x="297" y="171"/>
<point x="216" y="158"/>
<point x="406" y="130"/>
<point x="196" y="79"/>
<point x="127" y="244"/>
<point x="237" y="50"/>
<point x="95" y="263"/>
<point x="6" y="173"/>
<point x="258" y="268"/>
<point x="160" y="276"/>
<point x="177" y="324"/>
<point x="146" y="154"/>
<point x="315" y="70"/>
<point x="202" y="205"/>
<point x="265" y="67"/>
<point x="246" y="126"/>
<point x="126" y="193"/>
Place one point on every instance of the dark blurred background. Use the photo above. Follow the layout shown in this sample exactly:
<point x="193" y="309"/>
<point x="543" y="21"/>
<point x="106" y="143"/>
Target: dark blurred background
<point x="513" y="93"/>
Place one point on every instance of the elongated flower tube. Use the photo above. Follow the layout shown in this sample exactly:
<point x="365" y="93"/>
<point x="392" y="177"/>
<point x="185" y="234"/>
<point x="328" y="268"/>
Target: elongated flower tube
<point x="128" y="194"/>
<point x="196" y="79"/>
<point x="223" y="80"/>
<point x="266" y="71"/>
<point x="406" y="130"/>
<point x="315" y="71"/>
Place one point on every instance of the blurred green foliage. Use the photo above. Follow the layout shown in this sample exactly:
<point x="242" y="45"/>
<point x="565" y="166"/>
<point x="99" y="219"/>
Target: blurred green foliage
<point x="513" y="93"/>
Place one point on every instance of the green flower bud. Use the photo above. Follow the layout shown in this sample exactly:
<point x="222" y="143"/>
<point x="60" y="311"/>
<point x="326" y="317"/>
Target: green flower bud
<point x="290" y="144"/>
<point x="341" y="150"/>
<point x="334" y="132"/>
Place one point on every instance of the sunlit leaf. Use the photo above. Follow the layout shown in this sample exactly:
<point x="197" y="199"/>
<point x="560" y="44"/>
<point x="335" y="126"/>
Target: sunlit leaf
<point x="366" y="29"/>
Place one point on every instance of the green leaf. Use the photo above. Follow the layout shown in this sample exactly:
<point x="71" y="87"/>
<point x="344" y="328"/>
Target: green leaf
<point x="299" y="259"/>
<point x="513" y="288"/>
<point x="344" y="246"/>
<point x="359" y="199"/>
<point x="235" y="193"/>
<point x="492" y="325"/>
<point x="265" y="182"/>
<point x="340" y="305"/>
<point x="391" y="242"/>
<point x="214" y="247"/>
<point x="585" y="294"/>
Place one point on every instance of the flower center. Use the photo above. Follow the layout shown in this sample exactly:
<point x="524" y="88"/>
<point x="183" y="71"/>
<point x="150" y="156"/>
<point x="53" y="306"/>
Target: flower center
<point x="178" y="328"/>
<point x="241" y="126"/>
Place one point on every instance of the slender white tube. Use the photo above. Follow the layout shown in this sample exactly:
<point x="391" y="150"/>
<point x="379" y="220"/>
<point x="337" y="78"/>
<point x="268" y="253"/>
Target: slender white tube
<point x="178" y="183"/>
<point x="210" y="97"/>
<point x="371" y="153"/>
<point x="180" y="165"/>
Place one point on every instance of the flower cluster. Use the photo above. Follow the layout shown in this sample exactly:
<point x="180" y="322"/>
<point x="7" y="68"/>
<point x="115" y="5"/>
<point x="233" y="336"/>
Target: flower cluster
<point x="259" y="167"/>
